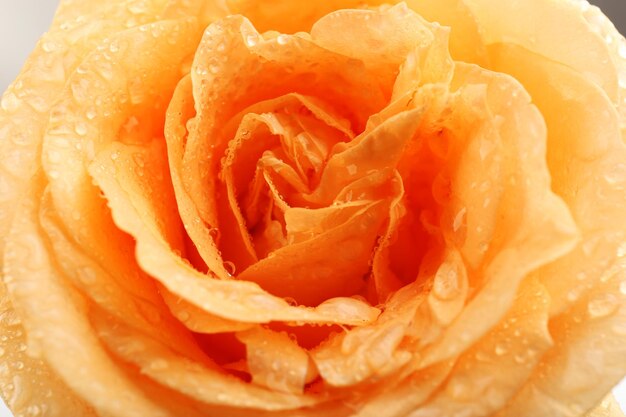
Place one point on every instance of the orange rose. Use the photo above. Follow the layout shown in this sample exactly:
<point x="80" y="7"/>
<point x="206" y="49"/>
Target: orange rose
<point x="325" y="208"/>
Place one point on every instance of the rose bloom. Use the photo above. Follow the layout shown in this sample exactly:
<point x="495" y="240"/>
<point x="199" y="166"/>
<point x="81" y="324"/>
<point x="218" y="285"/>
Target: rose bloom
<point x="315" y="208"/>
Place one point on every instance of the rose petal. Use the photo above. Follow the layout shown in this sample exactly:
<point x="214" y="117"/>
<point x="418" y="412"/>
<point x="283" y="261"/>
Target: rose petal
<point x="235" y="300"/>
<point x="586" y="157"/>
<point x="525" y="246"/>
<point x="25" y="105"/>
<point x="214" y="78"/>
<point x="557" y="30"/>
<point x="276" y="361"/>
<point x="27" y="383"/>
<point x="200" y="380"/>
<point x="371" y="351"/>
<point x="586" y="299"/>
<point x="64" y="336"/>
<point x="488" y="374"/>
<point x="607" y="408"/>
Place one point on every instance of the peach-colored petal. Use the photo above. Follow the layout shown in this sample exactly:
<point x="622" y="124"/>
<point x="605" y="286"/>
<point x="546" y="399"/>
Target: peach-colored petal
<point x="525" y="247"/>
<point x="263" y="61"/>
<point x="27" y="384"/>
<point x="63" y="336"/>
<point x="276" y="361"/>
<point x="585" y="156"/>
<point x="235" y="300"/>
<point x="607" y="408"/>
<point x="587" y="359"/>
<point x="557" y="30"/>
<point x="203" y="236"/>
<point x="76" y="30"/>
<point x="82" y="212"/>
<point x="202" y="381"/>
<point x="585" y="286"/>
<point x="488" y="374"/>
<point x="371" y="351"/>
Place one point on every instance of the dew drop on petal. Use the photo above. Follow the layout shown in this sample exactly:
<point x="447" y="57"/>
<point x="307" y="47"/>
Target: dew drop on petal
<point x="251" y="40"/>
<point x="230" y="267"/>
<point x="184" y="315"/>
<point x="10" y="102"/>
<point x="80" y="129"/>
<point x="602" y="306"/>
<point x="501" y="348"/>
<point x="91" y="114"/>
<point x="446" y="283"/>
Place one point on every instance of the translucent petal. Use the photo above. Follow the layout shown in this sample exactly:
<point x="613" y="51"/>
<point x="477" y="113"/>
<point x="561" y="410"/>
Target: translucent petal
<point x="63" y="335"/>
<point x="585" y="155"/>
<point x="521" y="240"/>
<point x="276" y="361"/>
<point x="200" y="380"/>
<point x="556" y="30"/>
<point x="488" y="374"/>
<point x="27" y="383"/>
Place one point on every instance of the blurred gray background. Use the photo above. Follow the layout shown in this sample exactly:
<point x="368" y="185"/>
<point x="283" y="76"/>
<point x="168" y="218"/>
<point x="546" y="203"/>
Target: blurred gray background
<point x="22" y="22"/>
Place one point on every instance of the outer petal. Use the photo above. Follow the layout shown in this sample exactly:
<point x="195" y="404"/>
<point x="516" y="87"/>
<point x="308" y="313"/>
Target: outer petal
<point x="586" y="155"/>
<point x="556" y="29"/>
<point x="27" y="384"/>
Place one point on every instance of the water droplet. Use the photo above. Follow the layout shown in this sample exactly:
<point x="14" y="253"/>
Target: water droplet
<point x="91" y="114"/>
<point x="602" y="306"/>
<point x="184" y="315"/>
<point x="501" y="348"/>
<point x="10" y="102"/>
<point x="460" y="389"/>
<point x="282" y="39"/>
<point x="251" y="40"/>
<point x="459" y="219"/>
<point x="214" y="69"/>
<point x="48" y="46"/>
<point x="87" y="275"/>
<point x="114" y="47"/>
<point x="446" y="284"/>
<point x="573" y="294"/>
<point x="81" y="129"/>
<point x="201" y="71"/>
<point x="352" y="169"/>
<point x="520" y="358"/>
<point x="291" y="301"/>
<point x="214" y="232"/>
<point x="230" y="267"/>
<point x="159" y="365"/>
<point x="33" y="410"/>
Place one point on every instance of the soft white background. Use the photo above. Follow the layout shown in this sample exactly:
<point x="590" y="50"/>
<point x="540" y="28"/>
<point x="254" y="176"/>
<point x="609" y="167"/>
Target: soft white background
<point x="23" y="21"/>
